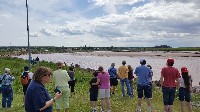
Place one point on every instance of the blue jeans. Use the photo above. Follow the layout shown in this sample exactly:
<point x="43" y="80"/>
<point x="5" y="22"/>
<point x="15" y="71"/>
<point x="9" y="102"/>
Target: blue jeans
<point x="131" y="85"/>
<point x="7" y="97"/>
<point x="126" y="81"/>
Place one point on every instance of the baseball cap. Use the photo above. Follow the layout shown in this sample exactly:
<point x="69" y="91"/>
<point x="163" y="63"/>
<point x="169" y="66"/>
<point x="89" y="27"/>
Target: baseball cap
<point x="184" y="69"/>
<point x="6" y="70"/>
<point x="26" y="68"/>
<point x="170" y="60"/>
<point x="142" y="60"/>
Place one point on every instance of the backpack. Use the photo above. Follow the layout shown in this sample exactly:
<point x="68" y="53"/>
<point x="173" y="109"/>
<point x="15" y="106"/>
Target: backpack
<point x="1" y="79"/>
<point x="24" y="78"/>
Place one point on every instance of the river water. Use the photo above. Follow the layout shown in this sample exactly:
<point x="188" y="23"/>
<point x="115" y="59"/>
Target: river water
<point x="93" y="62"/>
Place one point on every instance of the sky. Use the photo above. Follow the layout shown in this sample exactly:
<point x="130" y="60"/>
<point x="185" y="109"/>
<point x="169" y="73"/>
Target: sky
<point x="100" y="23"/>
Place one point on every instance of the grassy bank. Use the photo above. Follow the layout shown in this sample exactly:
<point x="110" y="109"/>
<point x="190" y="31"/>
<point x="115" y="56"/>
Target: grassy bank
<point x="80" y="103"/>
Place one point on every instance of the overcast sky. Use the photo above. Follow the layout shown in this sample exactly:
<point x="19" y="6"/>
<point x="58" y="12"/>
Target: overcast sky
<point x="105" y="23"/>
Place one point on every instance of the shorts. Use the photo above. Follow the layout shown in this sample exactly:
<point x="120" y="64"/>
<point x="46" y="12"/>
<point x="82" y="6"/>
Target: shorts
<point x="93" y="96"/>
<point x="113" y="82"/>
<point x="184" y="94"/>
<point x="104" y="93"/>
<point x="147" y="90"/>
<point x="168" y="95"/>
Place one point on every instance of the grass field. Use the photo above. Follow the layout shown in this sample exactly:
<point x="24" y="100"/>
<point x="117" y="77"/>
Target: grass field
<point x="80" y="102"/>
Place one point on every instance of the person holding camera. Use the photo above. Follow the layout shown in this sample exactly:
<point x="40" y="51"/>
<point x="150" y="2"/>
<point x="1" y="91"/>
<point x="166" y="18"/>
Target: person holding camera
<point x="37" y="97"/>
<point x="61" y="79"/>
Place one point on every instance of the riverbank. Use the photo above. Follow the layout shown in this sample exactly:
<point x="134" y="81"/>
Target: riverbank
<point x="118" y="103"/>
<point x="136" y="54"/>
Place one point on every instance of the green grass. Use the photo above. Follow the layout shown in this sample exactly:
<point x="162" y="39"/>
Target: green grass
<point x="80" y="102"/>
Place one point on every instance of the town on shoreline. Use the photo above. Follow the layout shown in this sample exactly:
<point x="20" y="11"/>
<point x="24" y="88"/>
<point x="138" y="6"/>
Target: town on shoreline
<point x="163" y="50"/>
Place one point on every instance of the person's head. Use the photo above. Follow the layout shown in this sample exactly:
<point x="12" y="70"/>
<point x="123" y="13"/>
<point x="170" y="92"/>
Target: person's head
<point x="26" y="68"/>
<point x="42" y="75"/>
<point x="184" y="71"/>
<point x="112" y="64"/>
<point x="170" y="62"/>
<point x="186" y="77"/>
<point x="142" y="61"/>
<point x="123" y="62"/>
<point x="7" y="70"/>
<point x="95" y="74"/>
<point x="149" y="66"/>
<point x="100" y="69"/>
<point x="60" y="65"/>
<point x="129" y="67"/>
<point x="71" y="68"/>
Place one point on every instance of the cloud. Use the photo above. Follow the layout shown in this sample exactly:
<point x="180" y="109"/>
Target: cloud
<point x="107" y="22"/>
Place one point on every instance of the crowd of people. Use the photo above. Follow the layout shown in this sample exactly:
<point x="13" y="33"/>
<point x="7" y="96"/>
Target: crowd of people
<point x="170" y="80"/>
<point x="102" y="85"/>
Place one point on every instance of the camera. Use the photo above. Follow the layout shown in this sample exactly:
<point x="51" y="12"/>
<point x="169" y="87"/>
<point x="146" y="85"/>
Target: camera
<point x="56" y="90"/>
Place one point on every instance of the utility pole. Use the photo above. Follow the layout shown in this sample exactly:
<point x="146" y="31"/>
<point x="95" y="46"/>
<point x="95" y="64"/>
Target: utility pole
<point x="29" y="52"/>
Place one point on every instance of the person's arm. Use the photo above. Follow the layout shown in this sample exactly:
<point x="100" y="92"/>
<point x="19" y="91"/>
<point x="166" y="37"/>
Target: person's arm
<point x="96" y="83"/>
<point x="135" y="72"/>
<point x="119" y="73"/>
<point x="177" y="83"/>
<point x="161" y="77"/>
<point x="51" y="101"/>
<point x="161" y="81"/>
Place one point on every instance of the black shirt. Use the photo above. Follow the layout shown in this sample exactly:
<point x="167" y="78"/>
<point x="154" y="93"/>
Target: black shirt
<point x="93" y="88"/>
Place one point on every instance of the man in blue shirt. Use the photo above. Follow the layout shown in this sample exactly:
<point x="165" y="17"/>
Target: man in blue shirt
<point x="113" y="78"/>
<point x="144" y="86"/>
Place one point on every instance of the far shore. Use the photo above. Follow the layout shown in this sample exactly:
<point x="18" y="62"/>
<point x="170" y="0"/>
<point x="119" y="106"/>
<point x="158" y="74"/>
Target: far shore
<point x="147" y="53"/>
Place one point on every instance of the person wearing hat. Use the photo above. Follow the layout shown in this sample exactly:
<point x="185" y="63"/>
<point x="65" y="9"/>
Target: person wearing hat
<point x="185" y="89"/>
<point x="169" y="79"/>
<point x="7" y="92"/>
<point x="61" y="79"/>
<point x="26" y="75"/>
<point x="123" y="75"/>
<point x="144" y="86"/>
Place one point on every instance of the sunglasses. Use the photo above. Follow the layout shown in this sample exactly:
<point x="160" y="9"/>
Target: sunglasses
<point x="48" y="75"/>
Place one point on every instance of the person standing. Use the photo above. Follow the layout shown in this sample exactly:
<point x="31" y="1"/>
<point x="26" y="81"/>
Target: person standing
<point x="131" y="78"/>
<point x="61" y="79"/>
<point x="72" y="80"/>
<point x="26" y="78"/>
<point x="7" y="92"/>
<point x="37" y="98"/>
<point x="113" y="78"/>
<point x="150" y="77"/>
<point x="169" y="78"/>
<point x="143" y="86"/>
<point x="103" y="80"/>
<point x="94" y="92"/>
<point x="185" y="89"/>
<point x="123" y="75"/>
